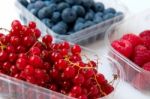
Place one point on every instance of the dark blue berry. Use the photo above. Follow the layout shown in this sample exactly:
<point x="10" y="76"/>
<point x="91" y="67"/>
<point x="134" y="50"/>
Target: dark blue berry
<point x="32" y="1"/>
<point x="89" y="15"/>
<point x="45" y="12"/>
<point x="39" y="4"/>
<point x="78" y="26"/>
<point x="87" y="3"/>
<point x="99" y="7"/>
<point x="110" y="10"/>
<point x="34" y="11"/>
<point x="23" y="2"/>
<point x="73" y="2"/>
<point x="61" y="6"/>
<point x="69" y="15"/>
<point x="97" y="19"/>
<point x="52" y="7"/>
<point x="55" y="1"/>
<point x="99" y="14"/>
<point x="80" y="20"/>
<point x="60" y="28"/>
<point x="56" y="17"/>
<point x="79" y="10"/>
<point x="48" y="22"/>
<point x="30" y="6"/>
<point x="108" y="16"/>
<point x="88" y="24"/>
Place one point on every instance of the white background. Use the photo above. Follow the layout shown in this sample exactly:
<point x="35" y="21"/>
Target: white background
<point x="124" y="91"/>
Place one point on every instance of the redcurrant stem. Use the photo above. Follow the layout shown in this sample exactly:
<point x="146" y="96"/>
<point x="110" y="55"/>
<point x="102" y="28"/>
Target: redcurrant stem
<point x="115" y="77"/>
<point x="32" y="47"/>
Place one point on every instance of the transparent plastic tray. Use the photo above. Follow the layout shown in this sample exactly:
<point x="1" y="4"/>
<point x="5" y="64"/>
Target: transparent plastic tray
<point x="11" y="88"/>
<point x="135" y="75"/>
<point x="84" y="36"/>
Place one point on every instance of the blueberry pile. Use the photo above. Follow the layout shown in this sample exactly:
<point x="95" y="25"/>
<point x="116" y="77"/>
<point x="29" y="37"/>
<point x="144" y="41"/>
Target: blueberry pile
<point x="69" y="16"/>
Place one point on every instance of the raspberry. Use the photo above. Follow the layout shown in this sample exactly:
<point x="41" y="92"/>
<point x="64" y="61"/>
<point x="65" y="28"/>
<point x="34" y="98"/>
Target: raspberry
<point x="123" y="46"/>
<point x="146" y="66"/>
<point x="145" y="33"/>
<point x="133" y="39"/>
<point x="141" y="55"/>
<point x="145" y="36"/>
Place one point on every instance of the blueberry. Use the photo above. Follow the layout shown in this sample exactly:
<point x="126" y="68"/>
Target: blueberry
<point x="32" y="1"/>
<point x="55" y="1"/>
<point x="89" y="15"/>
<point x="73" y="2"/>
<point x="45" y="12"/>
<point x="99" y="7"/>
<point x="97" y="19"/>
<point x="56" y="17"/>
<point x="78" y="26"/>
<point x="87" y="3"/>
<point x="79" y="10"/>
<point x="69" y="15"/>
<point x="48" y="22"/>
<point x="61" y="6"/>
<point x="110" y="10"/>
<point x="47" y="3"/>
<point x="108" y="16"/>
<point x="52" y="7"/>
<point x="39" y="4"/>
<point x="99" y="14"/>
<point x="88" y="24"/>
<point x="34" y="11"/>
<point x="24" y="2"/>
<point x="30" y="6"/>
<point x="80" y="20"/>
<point x="60" y="28"/>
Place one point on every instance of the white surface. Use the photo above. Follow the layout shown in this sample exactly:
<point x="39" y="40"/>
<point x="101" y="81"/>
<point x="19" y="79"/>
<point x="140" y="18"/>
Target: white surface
<point x="124" y="91"/>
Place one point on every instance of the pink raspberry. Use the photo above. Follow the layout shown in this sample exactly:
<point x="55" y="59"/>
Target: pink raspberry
<point x="141" y="55"/>
<point x="123" y="46"/>
<point x="133" y="39"/>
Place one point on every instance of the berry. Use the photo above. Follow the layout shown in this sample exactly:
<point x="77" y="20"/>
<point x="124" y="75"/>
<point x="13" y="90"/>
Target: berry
<point x="21" y="63"/>
<point x="88" y="24"/>
<point x="89" y="15"/>
<point x="123" y="46"/>
<point x="79" y="79"/>
<point x="56" y="17"/>
<point x="32" y="24"/>
<point x="69" y="72"/>
<point x="108" y="16"/>
<point x="78" y="26"/>
<point x="47" y="39"/>
<point x="61" y="6"/>
<point x="145" y="33"/>
<point x="36" y="61"/>
<point x="35" y="51"/>
<point x="87" y="3"/>
<point x="69" y="15"/>
<point x="80" y="11"/>
<point x="141" y="55"/>
<point x="76" y="49"/>
<point x="3" y="56"/>
<point x="99" y="7"/>
<point x="77" y="90"/>
<point x="146" y="66"/>
<point x="110" y="10"/>
<point x="145" y="36"/>
<point x="133" y="39"/>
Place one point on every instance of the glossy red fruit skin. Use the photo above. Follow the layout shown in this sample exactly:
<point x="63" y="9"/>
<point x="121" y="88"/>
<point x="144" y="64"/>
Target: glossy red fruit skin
<point x="12" y="57"/>
<point x="47" y="39"/>
<point x="32" y="24"/>
<point x="35" y="51"/>
<point x="3" y="56"/>
<point x="76" y="49"/>
<point x="123" y="46"/>
<point x="16" y="25"/>
<point x="79" y="79"/>
<point x="21" y="63"/>
<point x="36" y="33"/>
<point x="36" y="61"/>
<point x="69" y="72"/>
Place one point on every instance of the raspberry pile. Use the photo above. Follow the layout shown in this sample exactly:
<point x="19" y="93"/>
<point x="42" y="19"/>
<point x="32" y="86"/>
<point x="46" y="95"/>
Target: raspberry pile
<point x="135" y="48"/>
<point x="55" y="66"/>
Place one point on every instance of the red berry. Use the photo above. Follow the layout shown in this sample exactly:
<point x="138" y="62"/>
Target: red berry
<point x="47" y="39"/>
<point x="3" y="56"/>
<point x="123" y="46"/>
<point x="21" y="63"/>
<point x="146" y="66"/>
<point x="65" y="45"/>
<point x="32" y="24"/>
<point x="6" y="66"/>
<point x="35" y="51"/>
<point x="69" y="72"/>
<point x="76" y="49"/>
<point x="21" y="49"/>
<point x="83" y="97"/>
<point x="10" y="49"/>
<point x="77" y="90"/>
<point x="14" y="69"/>
<point x="94" y="90"/>
<point x="54" y="74"/>
<point x="133" y="39"/>
<point x="79" y="79"/>
<point x="29" y="70"/>
<point x="15" y="41"/>
<point x="37" y="33"/>
<point x="61" y="64"/>
<point x="53" y="87"/>
<point x="36" y="61"/>
<point x="100" y="78"/>
<point x="28" y="41"/>
<point x="12" y="57"/>
<point x="141" y="55"/>
<point x="145" y="33"/>
<point x="16" y="25"/>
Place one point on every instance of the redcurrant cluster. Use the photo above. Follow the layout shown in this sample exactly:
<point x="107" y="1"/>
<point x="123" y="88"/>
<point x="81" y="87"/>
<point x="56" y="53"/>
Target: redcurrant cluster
<point x="56" y="66"/>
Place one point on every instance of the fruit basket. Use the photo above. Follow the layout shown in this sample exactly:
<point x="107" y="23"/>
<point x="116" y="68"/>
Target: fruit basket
<point x="42" y="67"/>
<point x="84" y="36"/>
<point x="136" y="75"/>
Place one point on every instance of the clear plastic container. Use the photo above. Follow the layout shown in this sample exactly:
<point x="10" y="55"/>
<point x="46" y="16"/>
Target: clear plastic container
<point x="11" y="88"/>
<point x="84" y="36"/>
<point x="135" y="75"/>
